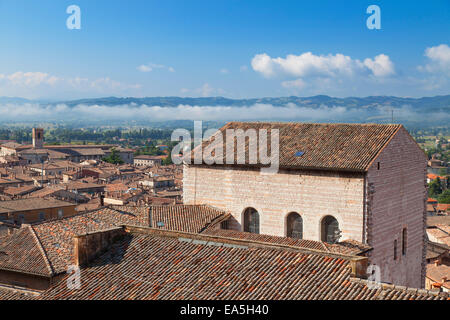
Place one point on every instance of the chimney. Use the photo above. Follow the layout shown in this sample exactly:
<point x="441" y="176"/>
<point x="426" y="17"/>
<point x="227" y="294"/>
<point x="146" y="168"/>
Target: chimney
<point x="90" y="245"/>
<point x="444" y="279"/>
<point x="437" y="262"/>
<point x="359" y="267"/>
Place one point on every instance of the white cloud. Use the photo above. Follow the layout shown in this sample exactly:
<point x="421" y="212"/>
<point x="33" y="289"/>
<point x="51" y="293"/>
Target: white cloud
<point x="381" y="66"/>
<point x="224" y="71"/>
<point x="31" y="79"/>
<point x="39" y="84"/>
<point x="151" y="66"/>
<point x="288" y="112"/>
<point x="439" y="57"/>
<point x="324" y="74"/>
<point x="310" y="65"/>
<point x="264" y="64"/>
<point x="144" y="68"/>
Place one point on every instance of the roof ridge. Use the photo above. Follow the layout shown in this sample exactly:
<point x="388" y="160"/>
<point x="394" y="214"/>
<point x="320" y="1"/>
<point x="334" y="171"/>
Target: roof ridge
<point x="80" y="213"/>
<point x="385" y="286"/>
<point x="262" y="244"/>
<point x="321" y="123"/>
<point x="42" y="250"/>
<point x="382" y="146"/>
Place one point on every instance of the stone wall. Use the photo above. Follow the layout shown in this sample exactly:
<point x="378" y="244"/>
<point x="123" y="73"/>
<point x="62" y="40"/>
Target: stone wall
<point x="312" y="194"/>
<point x="396" y="200"/>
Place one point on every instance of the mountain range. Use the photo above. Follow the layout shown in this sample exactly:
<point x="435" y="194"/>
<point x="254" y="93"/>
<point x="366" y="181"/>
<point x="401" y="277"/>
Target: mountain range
<point x="426" y="103"/>
<point x="429" y="111"/>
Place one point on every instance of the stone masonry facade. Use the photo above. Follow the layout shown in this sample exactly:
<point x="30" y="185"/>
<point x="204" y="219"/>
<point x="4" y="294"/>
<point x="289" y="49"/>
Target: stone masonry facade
<point x="311" y="194"/>
<point x="397" y="200"/>
<point x="372" y="207"/>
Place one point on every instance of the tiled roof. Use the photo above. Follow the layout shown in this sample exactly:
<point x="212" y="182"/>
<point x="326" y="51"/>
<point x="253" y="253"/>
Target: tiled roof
<point x="437" y="220"/>
<point x="32" y="204"/>
<point x="20" y="190"/>
<point x="56" y="237"/>
<point x="115" y="187"/>
<point x="157" y="266"/>
<point x="147" y="157"/>
<point x="53" y="154"/>
<point x="46" y="191"/>
<point x="350" y="147"/>
<point x="11" y="145"/>
<point x="439" y="274"/>
<point x="187" y="218"/>
<point x="439" y="233"/>
<point x="79" y="185"/>
<point x="34" y="151"/>
<point x="80" y="146"/>
<point x="23" y="252"/>
<point x="87" y="151"/>
<point x="7" y="293"/>
<point x="346" y="247"/>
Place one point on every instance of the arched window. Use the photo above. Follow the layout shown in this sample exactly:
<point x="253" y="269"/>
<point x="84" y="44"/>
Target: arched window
<point x="294" y="226"/>
<point x="251" y="220"/>
<point x="330" y="230"/>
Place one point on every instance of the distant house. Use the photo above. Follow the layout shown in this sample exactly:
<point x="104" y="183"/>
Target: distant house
<point x="431" y="177"/>
<point x="20" y="191"/>
<point x="33" y="210"/>
<point x="147" y="160"/>
<point x="84" y="187"/>
<point x="54" y="168"/>
<point x="158" y="183"/>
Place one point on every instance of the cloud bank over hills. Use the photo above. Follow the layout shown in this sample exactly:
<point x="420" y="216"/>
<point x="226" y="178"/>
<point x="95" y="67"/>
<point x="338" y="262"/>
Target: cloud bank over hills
<point x="423" y="111"/>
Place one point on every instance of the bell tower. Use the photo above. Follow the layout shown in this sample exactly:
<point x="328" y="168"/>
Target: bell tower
<point x="38" y="138"/>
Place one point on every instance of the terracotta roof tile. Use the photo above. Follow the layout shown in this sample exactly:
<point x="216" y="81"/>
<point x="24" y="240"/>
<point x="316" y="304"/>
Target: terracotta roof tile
<point x="349" y="247"/>
<point x="349" y="147"/>
<point x="155" y="266"/>
<point x="56" y="237"/>
<point x="23" y="252"/>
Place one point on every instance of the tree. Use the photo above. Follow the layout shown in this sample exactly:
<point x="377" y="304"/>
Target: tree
<point x="167" y="161"/>
<point x="435" y="188"/>
<point x="444" y="197"/>
<point x="114" y="157"/>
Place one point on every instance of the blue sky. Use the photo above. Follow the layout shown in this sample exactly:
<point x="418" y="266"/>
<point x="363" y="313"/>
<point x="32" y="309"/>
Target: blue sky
<point x="235" y="49"/>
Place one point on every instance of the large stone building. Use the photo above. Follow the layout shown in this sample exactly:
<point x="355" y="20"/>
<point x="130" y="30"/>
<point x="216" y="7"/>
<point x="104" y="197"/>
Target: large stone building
<point x="364" y="182"/>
